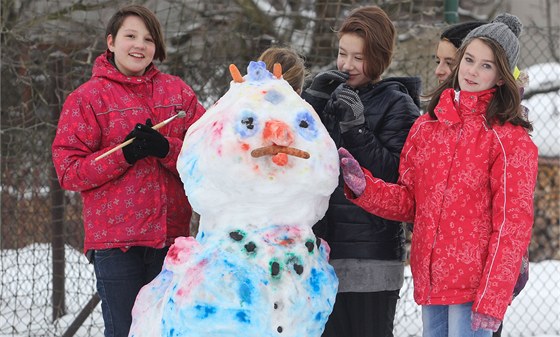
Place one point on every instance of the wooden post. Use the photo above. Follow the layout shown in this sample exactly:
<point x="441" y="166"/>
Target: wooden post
<point x="57" y="198"/>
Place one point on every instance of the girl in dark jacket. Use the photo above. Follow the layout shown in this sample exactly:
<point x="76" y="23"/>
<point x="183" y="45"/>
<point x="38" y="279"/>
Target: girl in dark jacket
<point x="371" y="117"/>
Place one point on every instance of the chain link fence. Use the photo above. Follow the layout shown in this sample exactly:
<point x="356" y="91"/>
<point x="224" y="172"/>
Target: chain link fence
<point x="47" y="49"/>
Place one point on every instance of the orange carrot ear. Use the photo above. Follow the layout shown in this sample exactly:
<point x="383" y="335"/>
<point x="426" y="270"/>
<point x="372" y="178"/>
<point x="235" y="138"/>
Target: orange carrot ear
<point x="277" y="70"/>
<point x="235" y="74"/>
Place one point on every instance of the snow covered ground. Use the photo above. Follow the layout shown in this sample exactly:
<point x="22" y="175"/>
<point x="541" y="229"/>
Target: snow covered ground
<point x="25" y="294"/>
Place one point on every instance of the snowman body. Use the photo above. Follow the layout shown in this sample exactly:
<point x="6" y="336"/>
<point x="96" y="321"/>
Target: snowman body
<point x="259" y="168"/>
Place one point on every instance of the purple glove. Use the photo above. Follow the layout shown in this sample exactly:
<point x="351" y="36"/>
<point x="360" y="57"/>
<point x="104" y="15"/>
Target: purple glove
<point x="352" y="173"/>
<point x="523" y="275"/>
<point x="483" y="321"/>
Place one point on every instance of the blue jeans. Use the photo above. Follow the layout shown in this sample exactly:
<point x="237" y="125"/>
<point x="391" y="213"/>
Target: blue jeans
<point x="120" y="276"/>
<point x="449" y="321"/>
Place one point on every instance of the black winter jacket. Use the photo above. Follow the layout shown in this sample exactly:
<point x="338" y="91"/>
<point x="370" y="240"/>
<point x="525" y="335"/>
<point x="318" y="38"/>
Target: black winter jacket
<point x="390" y="108"/>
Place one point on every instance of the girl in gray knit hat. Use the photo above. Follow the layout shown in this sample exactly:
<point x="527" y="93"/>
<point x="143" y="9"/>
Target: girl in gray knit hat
<point x="450" y="41"/>
<point x="467" y="175"/>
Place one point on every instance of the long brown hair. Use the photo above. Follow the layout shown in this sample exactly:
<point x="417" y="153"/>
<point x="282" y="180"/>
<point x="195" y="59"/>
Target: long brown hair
<point x="505" y="105"/>
<point x="373" y="25"/>
<point x="149" y="19"/>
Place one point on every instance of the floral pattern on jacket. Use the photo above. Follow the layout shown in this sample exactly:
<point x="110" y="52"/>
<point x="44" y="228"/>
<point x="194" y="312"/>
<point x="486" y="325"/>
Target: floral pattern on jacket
<point x="124" y="205"/>
<point x="469" y="189"/>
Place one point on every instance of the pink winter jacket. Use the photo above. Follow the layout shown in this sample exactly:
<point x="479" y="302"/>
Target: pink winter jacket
<point x="469" y="189"/>
<point x="125" y="205"/>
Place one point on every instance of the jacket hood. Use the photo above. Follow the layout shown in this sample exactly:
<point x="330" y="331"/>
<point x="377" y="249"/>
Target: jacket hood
<point x="409" y="85"/>
<point x="104" y="66"/>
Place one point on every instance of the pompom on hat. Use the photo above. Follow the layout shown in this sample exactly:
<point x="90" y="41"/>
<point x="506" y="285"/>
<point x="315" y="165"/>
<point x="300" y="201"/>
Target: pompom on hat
<point x="456" y="33"/>
<point x="505" y="30"/>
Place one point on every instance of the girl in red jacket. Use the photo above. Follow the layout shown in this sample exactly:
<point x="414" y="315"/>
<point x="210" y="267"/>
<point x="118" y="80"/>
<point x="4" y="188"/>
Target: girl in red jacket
<point x="467" y="177"/>
<point x="134" y="204"/>
<point x="450" y="41"/>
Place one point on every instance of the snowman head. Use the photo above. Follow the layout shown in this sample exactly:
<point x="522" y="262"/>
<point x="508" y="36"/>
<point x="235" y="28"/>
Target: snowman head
<point x="259" y="153"/>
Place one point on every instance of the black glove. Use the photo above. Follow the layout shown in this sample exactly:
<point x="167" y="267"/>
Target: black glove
<point x="350" y="108"/>
<point x="147" y="142"/>
<point x="325" y="82"/>
<point x="134" y="151"/>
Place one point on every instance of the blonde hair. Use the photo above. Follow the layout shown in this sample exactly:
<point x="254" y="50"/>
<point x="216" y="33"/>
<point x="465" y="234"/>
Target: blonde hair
<point x="293" y="65"/>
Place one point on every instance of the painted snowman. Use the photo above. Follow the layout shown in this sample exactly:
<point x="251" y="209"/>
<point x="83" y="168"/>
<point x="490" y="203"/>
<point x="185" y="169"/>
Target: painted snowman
<point x="259" y="167"/>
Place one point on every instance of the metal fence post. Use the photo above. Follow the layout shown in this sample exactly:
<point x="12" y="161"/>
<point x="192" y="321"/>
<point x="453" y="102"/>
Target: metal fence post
<point x="450" y="13"/>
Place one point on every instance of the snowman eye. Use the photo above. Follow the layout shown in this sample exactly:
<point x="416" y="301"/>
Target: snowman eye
<point x="247" y="124"/>
<point x="306" y="125"/>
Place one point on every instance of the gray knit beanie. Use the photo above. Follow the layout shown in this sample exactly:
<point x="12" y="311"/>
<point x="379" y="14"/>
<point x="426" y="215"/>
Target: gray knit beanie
<point x="505" y="30"/>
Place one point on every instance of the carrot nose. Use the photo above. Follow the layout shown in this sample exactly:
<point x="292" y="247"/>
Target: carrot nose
<point x="278" y="133"/>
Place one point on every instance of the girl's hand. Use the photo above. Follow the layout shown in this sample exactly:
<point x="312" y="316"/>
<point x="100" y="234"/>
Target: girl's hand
<point x="324" y="83"/>
<point x="147" y="142"/>
<point x="483" y="321"/>
<point x="350" y="108"/>
<point x="352" y="173"/>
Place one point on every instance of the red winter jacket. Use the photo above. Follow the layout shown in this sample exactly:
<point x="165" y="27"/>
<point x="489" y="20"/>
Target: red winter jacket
<point x="468" y="188"/>
<point x="125" y="205"/>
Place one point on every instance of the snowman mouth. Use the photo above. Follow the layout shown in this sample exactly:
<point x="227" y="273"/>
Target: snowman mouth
<point x="273" y="150"/>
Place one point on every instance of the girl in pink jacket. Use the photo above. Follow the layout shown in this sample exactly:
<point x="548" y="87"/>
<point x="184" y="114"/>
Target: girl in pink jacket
<point x="467" y="176"/>
<point x="134" y="204"/>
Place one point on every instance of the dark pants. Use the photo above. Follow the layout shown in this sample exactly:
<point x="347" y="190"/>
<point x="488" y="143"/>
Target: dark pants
<point x="499" y="332"/>
<point x="362" y="315"/>
<point x="120" y="276"/>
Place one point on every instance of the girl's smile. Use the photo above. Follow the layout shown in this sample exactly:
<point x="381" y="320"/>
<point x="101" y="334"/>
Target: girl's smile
<point x="478" y="70"/>
<point x="133" y="47"/>
<point x="351" y="59"/>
